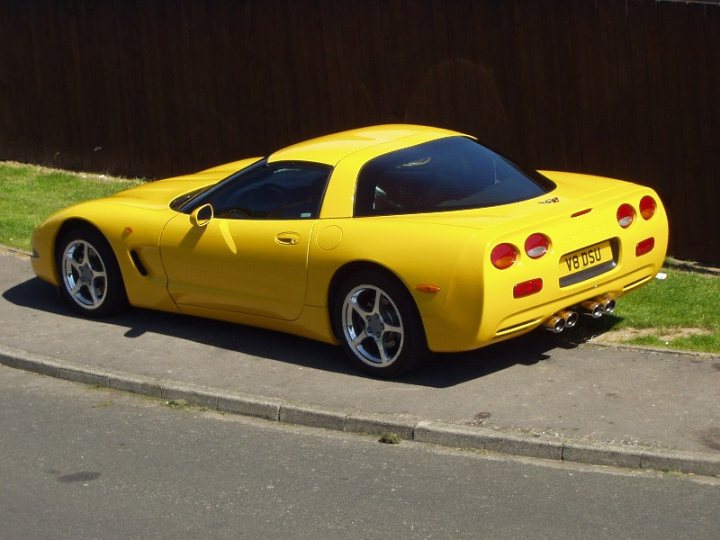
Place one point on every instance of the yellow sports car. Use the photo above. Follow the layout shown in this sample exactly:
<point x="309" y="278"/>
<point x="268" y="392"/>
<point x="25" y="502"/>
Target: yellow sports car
<point x="390" y="240"/>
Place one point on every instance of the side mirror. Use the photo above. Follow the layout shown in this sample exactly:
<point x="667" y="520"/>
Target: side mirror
<point x="202" y="215"/>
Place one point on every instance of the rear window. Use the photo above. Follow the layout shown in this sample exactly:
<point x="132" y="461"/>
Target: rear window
<point x="446" y="174"/>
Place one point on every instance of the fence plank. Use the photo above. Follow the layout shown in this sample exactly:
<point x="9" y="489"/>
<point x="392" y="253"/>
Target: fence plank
<point x="623" y="88"/>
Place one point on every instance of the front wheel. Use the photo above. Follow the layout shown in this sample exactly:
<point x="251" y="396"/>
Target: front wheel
<point x="377" y="323"/>
<point x="90" y="279"/>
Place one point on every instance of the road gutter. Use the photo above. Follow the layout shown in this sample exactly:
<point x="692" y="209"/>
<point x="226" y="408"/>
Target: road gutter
<point x="417" y="430"/>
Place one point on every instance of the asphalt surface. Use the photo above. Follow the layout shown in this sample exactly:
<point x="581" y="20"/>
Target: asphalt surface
<point x="82" y="463"/>
<point x="535" y="396"/>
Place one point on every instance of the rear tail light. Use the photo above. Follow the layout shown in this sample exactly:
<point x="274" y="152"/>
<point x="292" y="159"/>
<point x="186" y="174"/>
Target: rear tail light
<point x="625" y="215"/>
<point x="537" y="245"/>
<point x="647" y="207"/>
<point x="526" y="288"/>
<point x="645" y="246"/>
<point x="504" y="256"/>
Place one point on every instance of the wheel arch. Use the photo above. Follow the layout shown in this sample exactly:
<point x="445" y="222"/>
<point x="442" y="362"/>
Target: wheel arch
<point x="68" y="225"/>
<point x="115" y="293"/>
<point x="350" y="268"/>
<point x="78" y="223"/>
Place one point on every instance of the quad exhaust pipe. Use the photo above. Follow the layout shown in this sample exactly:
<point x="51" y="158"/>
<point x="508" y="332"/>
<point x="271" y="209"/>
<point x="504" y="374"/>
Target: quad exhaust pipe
<point x="555" y="324"/>
<point x="571" y="318"/>
<point x="608" y="305"/>
<point x="562" y="320"/>
<point x="595" y="308"/>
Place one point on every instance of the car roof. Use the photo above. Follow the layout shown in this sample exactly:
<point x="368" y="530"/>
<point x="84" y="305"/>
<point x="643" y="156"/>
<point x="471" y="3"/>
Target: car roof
<point x="331" y="149"/>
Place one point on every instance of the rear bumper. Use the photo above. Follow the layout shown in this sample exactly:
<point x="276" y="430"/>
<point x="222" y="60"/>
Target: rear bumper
<point x="485" y="311"/>
<point x="502" y="324"/>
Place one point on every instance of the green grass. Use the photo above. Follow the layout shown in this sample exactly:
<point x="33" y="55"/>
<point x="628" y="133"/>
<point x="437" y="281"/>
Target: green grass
<point x="691" y="298"/>
<point x="28" y="194"/>
<point x="680" y="312"/>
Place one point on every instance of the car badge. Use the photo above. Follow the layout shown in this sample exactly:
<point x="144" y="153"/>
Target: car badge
<point x="548" y="201"/>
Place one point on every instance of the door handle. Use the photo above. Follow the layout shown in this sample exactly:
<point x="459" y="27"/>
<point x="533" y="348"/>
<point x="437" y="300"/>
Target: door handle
<point x="287" y="238"/>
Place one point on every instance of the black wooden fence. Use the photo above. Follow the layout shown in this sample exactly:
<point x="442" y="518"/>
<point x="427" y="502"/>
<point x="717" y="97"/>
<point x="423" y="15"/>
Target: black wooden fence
<point x="623" y="88"/>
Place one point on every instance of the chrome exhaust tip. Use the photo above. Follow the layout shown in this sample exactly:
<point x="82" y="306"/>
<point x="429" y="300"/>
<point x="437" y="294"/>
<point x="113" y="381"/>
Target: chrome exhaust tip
<point x="593" y="309"/>
<point x="570" y="318"/>
<point x="555" y="324"/>
<point x="608" y="305"/>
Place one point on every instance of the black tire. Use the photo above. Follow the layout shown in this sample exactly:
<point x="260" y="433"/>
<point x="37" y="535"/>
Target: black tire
<point x="88" y="272"/>
<point x="378" y="324"/>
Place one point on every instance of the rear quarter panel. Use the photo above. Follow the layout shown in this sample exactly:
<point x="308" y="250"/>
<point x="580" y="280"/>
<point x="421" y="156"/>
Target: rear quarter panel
<point x="416" y="253"/>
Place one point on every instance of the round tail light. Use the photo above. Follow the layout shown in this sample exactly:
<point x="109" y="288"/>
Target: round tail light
<point x="625" y="215"/>
<point x="647" y="207"/>
<point x="503" y="256"/>
<point x="537" y="245"/>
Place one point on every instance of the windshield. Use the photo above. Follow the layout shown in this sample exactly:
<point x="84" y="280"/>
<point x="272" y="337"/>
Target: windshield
<point x="188" y="202"/>
<point x="446" y="174"/>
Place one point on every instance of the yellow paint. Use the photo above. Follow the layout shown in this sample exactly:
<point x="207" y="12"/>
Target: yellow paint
<point x="227" y="236"/>
<point x="277" y="273"/>
<point x="329" y="237"/>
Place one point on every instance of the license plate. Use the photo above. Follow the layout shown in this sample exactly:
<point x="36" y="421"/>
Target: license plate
<point x="585" y="258"/>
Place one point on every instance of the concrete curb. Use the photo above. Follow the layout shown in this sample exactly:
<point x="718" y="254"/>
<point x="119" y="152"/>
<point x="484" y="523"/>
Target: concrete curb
<point x="443" y="434"/>
<point x="597" y="342"/>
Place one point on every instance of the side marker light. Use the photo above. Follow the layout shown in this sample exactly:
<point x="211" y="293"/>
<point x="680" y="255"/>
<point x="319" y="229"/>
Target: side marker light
<point x="526" y="288"/>
<point x="645" y="246"/>
<point x="426" y="287"/>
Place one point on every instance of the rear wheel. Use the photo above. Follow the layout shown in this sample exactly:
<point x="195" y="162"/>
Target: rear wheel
<point x="90" y="278"/>
<point x="376" y="320"/>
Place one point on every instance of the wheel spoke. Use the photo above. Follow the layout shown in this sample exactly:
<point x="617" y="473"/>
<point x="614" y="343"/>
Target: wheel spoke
<point x="76" y="288"/>
<point x="381" y="349"/>
<point x="393" y="328"/>
<point x="93" y="259"/>
<point x="357" y="309"/>
<point x="359" y="338"/>
<point x="93" y="295"/>
<point x="376" y="303"/>
<point x="84" y="247"/>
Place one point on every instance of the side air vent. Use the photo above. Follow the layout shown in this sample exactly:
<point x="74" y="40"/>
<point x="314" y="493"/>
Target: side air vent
<point x="138" y="263"/>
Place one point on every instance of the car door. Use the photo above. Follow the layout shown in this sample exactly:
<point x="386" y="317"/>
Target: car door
<point x="244" y="246"/>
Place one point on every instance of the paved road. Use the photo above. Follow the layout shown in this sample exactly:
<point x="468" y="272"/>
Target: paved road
<point x="80" y="463"/>
<point x="533" y="384"/>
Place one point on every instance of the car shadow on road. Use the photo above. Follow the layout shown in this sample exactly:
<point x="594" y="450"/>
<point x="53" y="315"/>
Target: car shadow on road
<point x="439" y="371"/>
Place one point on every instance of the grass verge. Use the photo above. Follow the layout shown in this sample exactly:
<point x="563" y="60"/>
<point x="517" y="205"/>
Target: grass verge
<point x="680" y="312"/>
<point x="28" y="194"/>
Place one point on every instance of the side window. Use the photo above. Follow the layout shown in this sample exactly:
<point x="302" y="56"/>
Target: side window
<point x="276" y="191"/>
